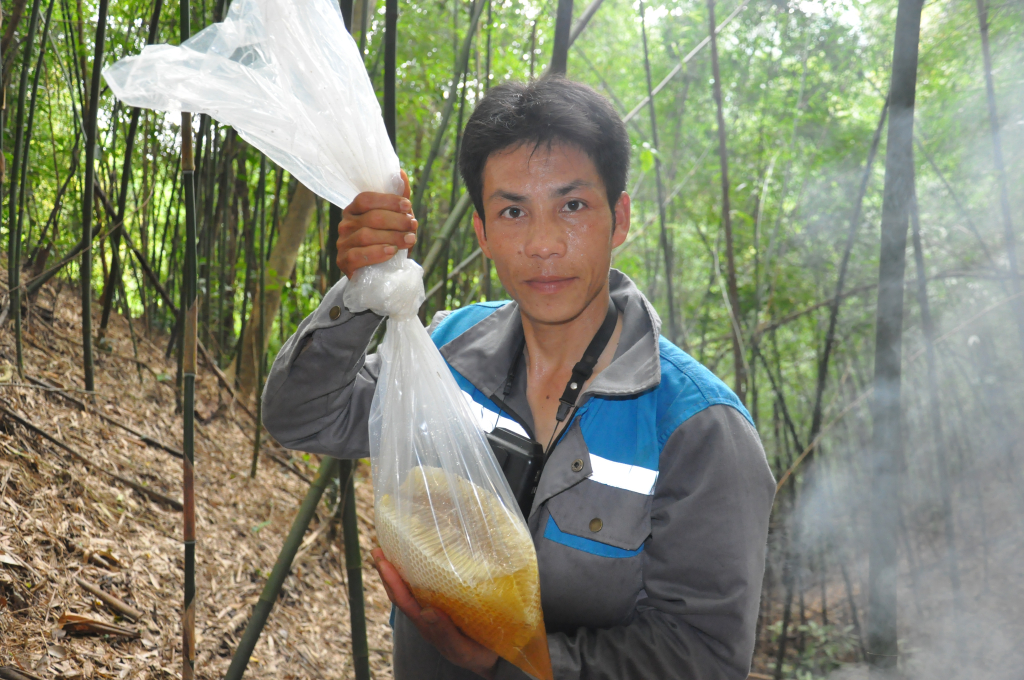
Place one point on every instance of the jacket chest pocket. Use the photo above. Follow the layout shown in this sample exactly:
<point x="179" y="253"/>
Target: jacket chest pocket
<point x="590" y="554"/>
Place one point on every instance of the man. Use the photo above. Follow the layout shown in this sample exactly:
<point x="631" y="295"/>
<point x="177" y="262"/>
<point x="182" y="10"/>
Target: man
<point x="651" y="515"/>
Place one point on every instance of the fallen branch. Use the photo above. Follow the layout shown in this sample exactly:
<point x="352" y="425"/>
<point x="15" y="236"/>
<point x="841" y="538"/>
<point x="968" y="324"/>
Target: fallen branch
<point x="273" y="456"/>
<point x="154" y="495"/>
<point x="111" y="353"/>
<point x="113" y="421"/>
<point x="118" y="605"/>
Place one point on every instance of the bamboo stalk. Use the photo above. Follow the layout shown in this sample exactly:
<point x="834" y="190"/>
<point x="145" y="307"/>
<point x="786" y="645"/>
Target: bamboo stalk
<point x="1009" y="237"/>
<point x="739" y="363"/>
<point x="272" y="588"/>
<point x="147" y="269"/>
<point x="450" y="225"/>
<point x="13" y="221"/>
<point x="449" y="105"/>
<point x="666" y="245"/>
<point x="189" y="341"/>
<point x="90" y="172"/>
<point x="563" y="29"/>
<point x="885" y="403"/>
<point x="354" y="571"/>
<point x="935" y="413"/>
<point x="259" y="353"/>
<point x="679" y="67"/>
<point x="122" y="197"/>
<point x="390" y="67"/>
<point x="455" y="272"/>
<point x="22" y="198"/>
<point x="833" y="312"/>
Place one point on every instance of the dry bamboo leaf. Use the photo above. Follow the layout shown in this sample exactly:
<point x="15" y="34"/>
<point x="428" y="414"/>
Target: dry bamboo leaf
<point x="12" y="560"/>
<point x="74" y="624"/>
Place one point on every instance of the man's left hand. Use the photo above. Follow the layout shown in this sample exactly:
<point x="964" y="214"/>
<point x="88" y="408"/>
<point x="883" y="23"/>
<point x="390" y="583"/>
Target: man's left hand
<point x="435" y="626"/>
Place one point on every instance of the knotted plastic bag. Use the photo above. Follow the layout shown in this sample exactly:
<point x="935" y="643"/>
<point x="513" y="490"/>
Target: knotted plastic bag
<point x="289" y="78"/>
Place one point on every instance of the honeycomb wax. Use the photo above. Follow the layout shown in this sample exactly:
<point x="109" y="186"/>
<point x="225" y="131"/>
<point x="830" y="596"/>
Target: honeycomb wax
<point x="463" y="552"/>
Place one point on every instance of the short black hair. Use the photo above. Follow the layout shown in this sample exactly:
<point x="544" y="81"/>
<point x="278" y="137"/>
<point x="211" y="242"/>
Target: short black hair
<point x="549" y="110"/>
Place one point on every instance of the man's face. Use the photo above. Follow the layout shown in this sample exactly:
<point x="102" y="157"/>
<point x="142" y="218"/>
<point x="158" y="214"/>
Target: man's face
<point x="549" y="228"/>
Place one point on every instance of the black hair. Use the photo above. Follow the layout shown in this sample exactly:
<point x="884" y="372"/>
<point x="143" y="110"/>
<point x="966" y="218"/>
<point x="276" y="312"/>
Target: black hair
<point x="546" y="111"/>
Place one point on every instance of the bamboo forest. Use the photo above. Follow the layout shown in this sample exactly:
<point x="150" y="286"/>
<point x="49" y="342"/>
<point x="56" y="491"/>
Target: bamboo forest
<point x="827" y="202"/>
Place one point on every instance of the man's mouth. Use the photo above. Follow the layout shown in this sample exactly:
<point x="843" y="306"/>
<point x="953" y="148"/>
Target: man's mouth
<point x="550" y="284"/>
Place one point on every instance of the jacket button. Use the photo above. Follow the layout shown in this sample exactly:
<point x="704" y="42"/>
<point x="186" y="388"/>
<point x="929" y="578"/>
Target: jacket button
<point x="335" y="312"/>
<point x="596" y="524"/>
<point x="577" y="465"/>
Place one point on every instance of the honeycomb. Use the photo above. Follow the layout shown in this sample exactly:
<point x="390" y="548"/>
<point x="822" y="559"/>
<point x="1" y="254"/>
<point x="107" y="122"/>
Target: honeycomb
<point x="463" y="552"/>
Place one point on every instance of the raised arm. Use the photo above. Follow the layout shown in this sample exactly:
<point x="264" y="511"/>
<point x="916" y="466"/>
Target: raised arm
<point x="317" y="396"/>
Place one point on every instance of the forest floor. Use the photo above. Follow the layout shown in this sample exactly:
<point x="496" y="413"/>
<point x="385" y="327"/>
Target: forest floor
<point x="63" y="520"/>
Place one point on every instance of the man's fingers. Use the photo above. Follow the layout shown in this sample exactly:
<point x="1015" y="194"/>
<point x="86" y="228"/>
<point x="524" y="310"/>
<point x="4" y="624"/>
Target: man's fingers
<point x="377" y="220"/>
<point x="368" y="200"/>
<point x="409" y="189"/>
<point x="399" y="592"/>
<point x="437" y="628"/>
<point x="375" y="237"/>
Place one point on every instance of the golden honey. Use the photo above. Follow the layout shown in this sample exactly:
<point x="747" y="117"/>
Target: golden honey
<point x="463" y="552"/>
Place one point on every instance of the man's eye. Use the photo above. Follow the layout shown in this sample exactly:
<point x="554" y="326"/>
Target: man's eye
<point x="574" y="205"/>
<point x="513" y="212"/>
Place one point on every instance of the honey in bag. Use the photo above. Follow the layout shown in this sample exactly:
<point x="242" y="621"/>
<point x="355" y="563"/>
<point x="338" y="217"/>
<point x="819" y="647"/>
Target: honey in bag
<point x="463" y="552"/>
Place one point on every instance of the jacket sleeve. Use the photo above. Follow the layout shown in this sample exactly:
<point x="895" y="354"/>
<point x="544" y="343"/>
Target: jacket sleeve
<point x="317" y="396"/>
<point x="702" y="567"/>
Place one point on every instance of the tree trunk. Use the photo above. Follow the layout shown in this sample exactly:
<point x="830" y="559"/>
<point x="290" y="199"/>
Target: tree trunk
<point x="739" y="365"/>
<point x="280" y="265"/>
<point x="885" y="403"/>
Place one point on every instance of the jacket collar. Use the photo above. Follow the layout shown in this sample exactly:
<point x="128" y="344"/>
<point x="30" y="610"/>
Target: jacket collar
<point x="484" y="353"/>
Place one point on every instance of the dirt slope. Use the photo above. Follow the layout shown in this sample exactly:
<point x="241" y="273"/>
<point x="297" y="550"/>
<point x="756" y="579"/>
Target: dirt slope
<point x="61" y="519"/>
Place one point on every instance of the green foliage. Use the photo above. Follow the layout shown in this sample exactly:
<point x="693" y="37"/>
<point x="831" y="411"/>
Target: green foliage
<point x="825" y="648"/>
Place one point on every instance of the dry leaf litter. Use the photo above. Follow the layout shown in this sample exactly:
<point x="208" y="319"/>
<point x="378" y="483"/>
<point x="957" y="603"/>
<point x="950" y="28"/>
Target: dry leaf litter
<point x="62" y="520"/>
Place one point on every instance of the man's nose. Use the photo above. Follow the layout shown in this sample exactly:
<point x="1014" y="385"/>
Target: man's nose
<point x="545" y="238"/>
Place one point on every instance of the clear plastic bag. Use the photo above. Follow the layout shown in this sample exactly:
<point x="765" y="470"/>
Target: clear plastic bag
<point x="445" y="515"/>
<point x="289" y="78"/>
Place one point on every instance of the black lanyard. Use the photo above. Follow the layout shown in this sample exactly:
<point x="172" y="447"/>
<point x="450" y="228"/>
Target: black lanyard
<point x="581" y="372"/>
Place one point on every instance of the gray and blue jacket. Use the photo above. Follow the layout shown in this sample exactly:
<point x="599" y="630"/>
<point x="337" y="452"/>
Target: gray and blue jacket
<point x="651" y="518"/>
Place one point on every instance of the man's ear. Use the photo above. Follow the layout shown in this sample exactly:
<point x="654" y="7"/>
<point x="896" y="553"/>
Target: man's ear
<point x="621" y="211"/>
<point x="481" y="234"/>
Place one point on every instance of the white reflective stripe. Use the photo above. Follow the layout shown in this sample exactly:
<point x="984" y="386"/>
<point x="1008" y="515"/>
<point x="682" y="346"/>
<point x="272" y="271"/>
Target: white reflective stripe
<point x="622" y="476"/>
<point x="489" y="419"/>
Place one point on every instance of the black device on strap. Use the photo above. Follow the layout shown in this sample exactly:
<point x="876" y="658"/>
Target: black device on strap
<point x="584" y="368"/>
<point x="521" y="458"/>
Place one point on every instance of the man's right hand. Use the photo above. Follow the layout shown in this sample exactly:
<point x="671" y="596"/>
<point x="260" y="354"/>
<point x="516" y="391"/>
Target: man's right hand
<point x="373" y="228"/>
